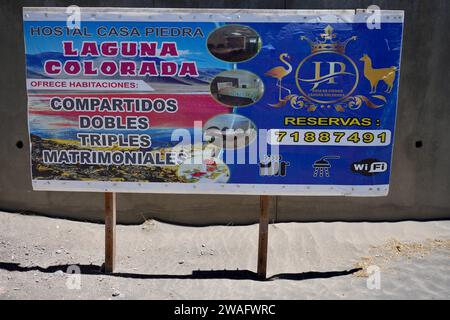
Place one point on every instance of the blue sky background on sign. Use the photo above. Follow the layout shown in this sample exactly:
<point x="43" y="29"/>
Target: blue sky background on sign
<point x="190" y="47"/>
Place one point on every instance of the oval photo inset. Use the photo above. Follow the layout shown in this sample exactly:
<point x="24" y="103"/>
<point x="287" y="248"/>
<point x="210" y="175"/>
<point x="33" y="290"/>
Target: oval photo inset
<point x="211" y="170"/>
<point x="237" y="88"/>
<point x="234" y="43"/>
<point x="229" y="131"/>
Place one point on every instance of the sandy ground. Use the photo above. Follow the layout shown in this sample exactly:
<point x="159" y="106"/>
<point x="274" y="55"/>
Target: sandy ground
<point x="162" y="261"/>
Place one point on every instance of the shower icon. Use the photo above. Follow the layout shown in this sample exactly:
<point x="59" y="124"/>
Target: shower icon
<point x="322" y="166"/>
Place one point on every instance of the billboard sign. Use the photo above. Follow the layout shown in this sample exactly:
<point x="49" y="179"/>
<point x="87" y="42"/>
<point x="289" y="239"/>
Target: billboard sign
<point x="282" y="102"/>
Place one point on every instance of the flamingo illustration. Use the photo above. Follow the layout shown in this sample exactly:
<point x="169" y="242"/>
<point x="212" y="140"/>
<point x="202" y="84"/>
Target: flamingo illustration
<point x="280" y="72"/>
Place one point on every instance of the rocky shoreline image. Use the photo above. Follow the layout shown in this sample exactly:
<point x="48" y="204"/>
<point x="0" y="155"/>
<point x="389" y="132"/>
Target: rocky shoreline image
<point x="81" y="172"/>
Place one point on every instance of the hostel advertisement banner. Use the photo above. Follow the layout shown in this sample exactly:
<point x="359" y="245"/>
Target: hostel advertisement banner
<point x="282" y="102"/>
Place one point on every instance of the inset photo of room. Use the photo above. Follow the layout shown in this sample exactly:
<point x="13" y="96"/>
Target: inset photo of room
<point x="234" y="43"/>
<point x="237" y="88"/>
<point x="229" y="131"/>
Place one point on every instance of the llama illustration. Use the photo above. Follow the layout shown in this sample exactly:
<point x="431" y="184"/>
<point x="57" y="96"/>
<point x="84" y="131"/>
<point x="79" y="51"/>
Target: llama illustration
<point x="375" y="75"/>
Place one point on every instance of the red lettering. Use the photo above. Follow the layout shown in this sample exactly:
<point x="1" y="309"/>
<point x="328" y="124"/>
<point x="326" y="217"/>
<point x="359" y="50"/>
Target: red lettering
<point x="89" y="48"/>
<point x="188" y="69"/>
<point x="169" y="49"/>
<point x="52" y="67"/>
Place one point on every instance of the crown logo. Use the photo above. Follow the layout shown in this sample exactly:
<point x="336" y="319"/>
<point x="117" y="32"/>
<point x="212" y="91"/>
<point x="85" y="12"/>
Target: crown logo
<point x="328" y="43"/>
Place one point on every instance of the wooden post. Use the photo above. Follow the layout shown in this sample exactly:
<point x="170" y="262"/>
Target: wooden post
<point x="263" y="236"/>
<point x="110" y="231"/>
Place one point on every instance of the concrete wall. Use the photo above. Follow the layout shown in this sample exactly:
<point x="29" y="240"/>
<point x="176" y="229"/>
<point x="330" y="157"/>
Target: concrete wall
<point x="420" y="185"/>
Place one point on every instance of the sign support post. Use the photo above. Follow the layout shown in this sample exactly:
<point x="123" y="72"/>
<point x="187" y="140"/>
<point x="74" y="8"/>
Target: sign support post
<point x="110" y="231"/>
<point x="263" y="236"/>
